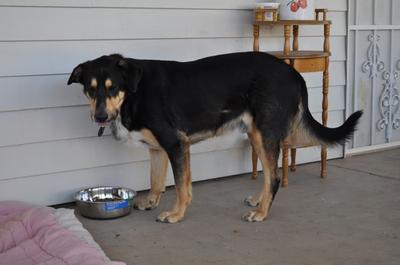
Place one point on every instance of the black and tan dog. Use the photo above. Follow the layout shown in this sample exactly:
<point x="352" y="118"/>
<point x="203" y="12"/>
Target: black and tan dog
<point x="170" y="105"/>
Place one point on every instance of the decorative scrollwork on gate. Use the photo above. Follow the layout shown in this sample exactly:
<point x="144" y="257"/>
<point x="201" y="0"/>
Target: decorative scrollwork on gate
<point x="373" y="64"/>
<point x="389" y="99"/>
<point x="389" y="103"/>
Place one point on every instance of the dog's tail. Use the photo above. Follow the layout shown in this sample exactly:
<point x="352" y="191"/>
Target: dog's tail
<point x="319" y="133"/>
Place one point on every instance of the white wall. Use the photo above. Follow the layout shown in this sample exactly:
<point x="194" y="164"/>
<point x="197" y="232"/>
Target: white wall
<point x="48" y="146"/>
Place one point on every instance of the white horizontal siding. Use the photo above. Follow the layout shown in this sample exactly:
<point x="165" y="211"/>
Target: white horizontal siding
<point x="337" y="5"/>
<point x="136" y="24"/>
<point x="49" y="147"/>
<point x="59" y="57"/>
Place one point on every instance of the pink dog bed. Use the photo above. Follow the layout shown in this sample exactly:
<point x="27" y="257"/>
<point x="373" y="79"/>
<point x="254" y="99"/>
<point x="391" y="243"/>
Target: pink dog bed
<point x="32" y="235"/>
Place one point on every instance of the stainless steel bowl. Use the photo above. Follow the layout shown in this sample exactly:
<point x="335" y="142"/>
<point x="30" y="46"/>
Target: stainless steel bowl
<point x="105" y="202"/>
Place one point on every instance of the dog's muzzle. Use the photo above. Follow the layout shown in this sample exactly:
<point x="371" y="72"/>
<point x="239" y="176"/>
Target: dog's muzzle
<point x="102" y="125"/>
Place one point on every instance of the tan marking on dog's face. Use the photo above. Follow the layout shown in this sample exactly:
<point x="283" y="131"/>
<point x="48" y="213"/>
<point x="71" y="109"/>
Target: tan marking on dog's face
<point x="93" y="83"/>
<point x="113" y="104"/>
<point x="108" y="83"/>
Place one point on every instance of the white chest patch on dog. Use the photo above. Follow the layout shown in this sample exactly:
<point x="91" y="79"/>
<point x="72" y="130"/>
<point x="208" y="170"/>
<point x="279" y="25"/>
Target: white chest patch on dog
<point x="143" y="138"/>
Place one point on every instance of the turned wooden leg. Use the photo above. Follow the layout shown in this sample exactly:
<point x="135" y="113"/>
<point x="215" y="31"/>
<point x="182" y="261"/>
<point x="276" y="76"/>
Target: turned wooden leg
<point x="292" y="159"/>
<point x="286" y="33"/>
<point x="325" y="90"/>
<point x="285" y="165"/>
<point x="295" y="44"/>
<point x="324" y="171"/>
<point x="254" y="159"/>
<point x="256" y="36"/>
<point x="256" y="48"/>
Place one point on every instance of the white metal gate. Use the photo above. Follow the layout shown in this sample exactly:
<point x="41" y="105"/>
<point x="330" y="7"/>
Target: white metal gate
<point x="373" y="72"/>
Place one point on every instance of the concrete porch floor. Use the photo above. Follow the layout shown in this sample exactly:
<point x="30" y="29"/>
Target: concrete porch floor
<point x="352" y="217"/>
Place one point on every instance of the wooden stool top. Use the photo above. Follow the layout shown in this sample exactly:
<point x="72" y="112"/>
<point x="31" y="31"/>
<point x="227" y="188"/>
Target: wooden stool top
<point x="293" y="22"/>
<point x="300" y="54"/>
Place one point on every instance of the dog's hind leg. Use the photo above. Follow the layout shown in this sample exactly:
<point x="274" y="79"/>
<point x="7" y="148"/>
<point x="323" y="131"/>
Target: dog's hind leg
<point x="179" y="155"/>
<point x="268" y="152"/>
<point x="159" y="166"/>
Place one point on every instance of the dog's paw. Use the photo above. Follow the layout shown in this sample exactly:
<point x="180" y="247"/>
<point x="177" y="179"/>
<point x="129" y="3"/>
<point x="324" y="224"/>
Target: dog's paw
<point x="250" y="201"/>
<point x="255" y="216"/>
<point x="169" y="217"/>
<point x="147" y="203"/>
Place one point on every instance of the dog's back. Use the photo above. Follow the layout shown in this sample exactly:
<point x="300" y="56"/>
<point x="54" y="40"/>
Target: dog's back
<point x="204" y="94"/>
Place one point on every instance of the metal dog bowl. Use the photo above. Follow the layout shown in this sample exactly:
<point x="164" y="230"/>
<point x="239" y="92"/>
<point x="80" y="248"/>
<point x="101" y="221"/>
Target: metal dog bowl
<point x="105" y="202"/>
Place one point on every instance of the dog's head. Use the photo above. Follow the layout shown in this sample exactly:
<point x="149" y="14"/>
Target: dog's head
<point x="107" y="81"/>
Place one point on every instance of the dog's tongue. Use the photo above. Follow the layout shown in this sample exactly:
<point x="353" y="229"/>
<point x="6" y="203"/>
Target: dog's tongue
<point x="101" y="131"/>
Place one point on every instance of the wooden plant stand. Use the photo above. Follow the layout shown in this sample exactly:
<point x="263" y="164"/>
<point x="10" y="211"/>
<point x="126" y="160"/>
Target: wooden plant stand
<point x="303" y="62"/>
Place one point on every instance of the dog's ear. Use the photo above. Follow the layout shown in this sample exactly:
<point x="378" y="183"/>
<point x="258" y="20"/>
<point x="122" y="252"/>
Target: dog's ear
<point x="76" y="75"/>
<point x="131" y="73"/>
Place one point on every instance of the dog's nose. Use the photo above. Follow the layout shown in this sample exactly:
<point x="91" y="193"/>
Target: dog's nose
<point x="100" y="116"/>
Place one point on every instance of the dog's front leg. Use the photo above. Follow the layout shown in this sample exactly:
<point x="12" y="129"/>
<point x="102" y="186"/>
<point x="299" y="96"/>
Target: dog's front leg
<point x="159" y="166"/>
<point x="179" y="156"/>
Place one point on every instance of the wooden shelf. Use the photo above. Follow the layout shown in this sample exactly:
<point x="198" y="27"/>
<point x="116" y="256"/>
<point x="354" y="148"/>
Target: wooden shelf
<point x="293" y="22"/>
<point x="299" y="54"/>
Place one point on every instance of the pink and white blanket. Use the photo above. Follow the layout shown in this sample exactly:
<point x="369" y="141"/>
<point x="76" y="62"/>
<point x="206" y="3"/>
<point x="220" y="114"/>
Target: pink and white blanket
<point x="33" y="235"/>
